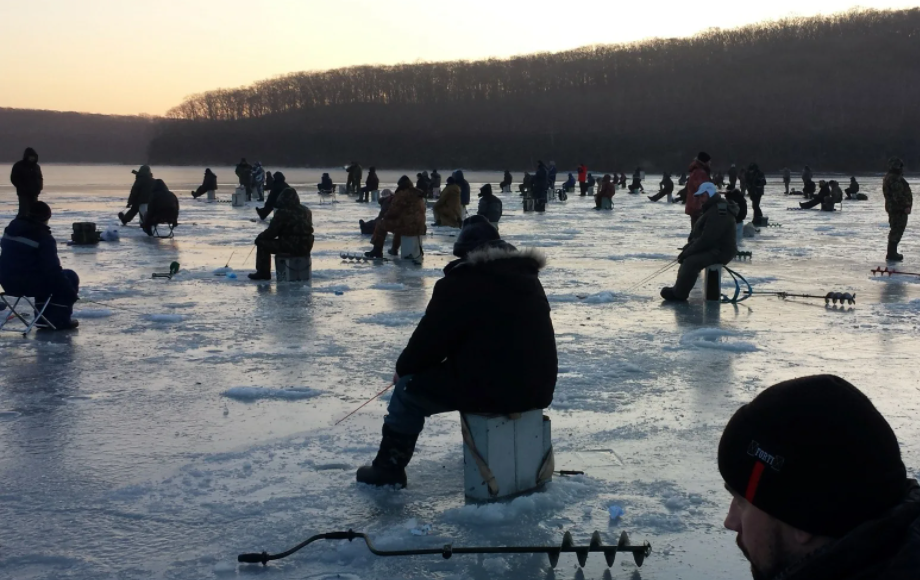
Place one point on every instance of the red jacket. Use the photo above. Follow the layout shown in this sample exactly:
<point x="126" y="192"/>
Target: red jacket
<point x="698" y="175"/>
<point x="582" y="174"/>
<point x="608" y="189"/>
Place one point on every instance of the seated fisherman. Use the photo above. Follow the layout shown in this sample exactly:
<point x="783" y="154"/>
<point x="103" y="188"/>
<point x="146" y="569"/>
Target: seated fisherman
<point x="823" y="198"/>
<point x="712" y="241"/>
<point x="665" y="188"/>
<point x="209" y="184"/>
<point x="506" y="181"/>
<point x="163" y="208"/>
<point x="489" y="205"/>
<point x="367" y="227"/>
<point x="569" y="184"/>
<point x="592" y="181"/>
<point x="325" y="185"/>
<point x="853" y="189"/>
<point x="608" y="190"/>
<point x="498" y="356"/>
<point x="29" y="266"/>
<point x="405" y="217"/>
<point x="370" y="184"/>
<point x="447" y="210"/>
<point x="289" y="232"/>
<point x="278" y="185"/>
<point x="140" y="194"/>
<point x="526" y="184"/>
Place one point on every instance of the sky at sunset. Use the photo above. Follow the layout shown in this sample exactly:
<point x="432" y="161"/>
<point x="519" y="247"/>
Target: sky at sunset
<point x="130" y="57"/>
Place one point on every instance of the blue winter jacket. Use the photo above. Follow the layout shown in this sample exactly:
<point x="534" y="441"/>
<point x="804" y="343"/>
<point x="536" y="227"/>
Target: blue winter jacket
<point x="29" y="264"/>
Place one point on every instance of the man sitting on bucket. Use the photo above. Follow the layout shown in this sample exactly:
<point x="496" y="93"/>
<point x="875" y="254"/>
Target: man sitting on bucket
<point x="712" y="241"/>
<point x="485" y="345"/>
<point x="819" y="490"/>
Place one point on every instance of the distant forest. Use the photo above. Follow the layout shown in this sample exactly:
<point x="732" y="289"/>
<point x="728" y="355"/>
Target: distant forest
<point x="837" y="93"/>
<point x="74" y="137"/>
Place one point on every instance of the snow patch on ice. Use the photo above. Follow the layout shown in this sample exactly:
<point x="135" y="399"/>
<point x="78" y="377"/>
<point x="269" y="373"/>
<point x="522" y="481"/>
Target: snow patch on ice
<point x="392" y="318"/>
<point x="92" y="313"/>
<point x="712" y="338"/>
<point x="259" y="393"/>
<point x="603" y="297"/>
<point x="556" y="496"/>
<point x="165" y="318"/>
<point x="388" y="286"/>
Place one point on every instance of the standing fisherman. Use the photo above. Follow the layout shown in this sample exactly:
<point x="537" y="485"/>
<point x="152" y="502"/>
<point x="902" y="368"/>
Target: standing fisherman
<point x="898" y="202"/>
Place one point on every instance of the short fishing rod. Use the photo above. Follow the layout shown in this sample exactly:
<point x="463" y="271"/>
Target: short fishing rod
<point x="366" y="403"/>
<point x="651" y="277"/>
<point x="639" y="552"/>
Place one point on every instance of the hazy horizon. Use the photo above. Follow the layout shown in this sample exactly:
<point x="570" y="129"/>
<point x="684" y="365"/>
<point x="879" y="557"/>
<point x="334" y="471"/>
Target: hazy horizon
<point x="112" y="57"/>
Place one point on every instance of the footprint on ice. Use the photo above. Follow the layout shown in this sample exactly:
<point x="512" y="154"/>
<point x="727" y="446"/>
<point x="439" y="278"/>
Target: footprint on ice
<point x="249" y="394"/>
<point x="165" y="318"/>
<point x="713" y="338"/>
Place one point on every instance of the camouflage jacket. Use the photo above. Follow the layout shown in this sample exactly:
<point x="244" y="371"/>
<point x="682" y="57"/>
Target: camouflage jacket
<point x="291" y="226"/>
<point x="898" y="197"/>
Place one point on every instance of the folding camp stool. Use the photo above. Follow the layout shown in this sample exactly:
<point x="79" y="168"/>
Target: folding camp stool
<point x="156" y="232"/>
<point x="327" y="195"/>
<point x="38" y="313"/>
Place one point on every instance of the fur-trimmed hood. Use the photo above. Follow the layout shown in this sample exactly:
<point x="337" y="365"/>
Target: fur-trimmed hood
<point x="501" y="254"/>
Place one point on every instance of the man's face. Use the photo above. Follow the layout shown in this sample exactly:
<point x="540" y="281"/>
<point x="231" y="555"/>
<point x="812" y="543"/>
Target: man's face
<point x="761" y="538"/>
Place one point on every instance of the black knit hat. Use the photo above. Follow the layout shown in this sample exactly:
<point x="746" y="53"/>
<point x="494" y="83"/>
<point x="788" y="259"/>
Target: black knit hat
<point x="704" y="157"/>
<point x="476" y="231"/>
<point x="485" y="190"/>
<point x="404" y="182"/>
<point x="40" y="211"/>
<point x="814" y="453"/>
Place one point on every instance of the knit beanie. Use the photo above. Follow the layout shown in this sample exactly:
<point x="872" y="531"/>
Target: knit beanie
<point x="814" y="453"/>
<point x="485" y="190"/>
<point x="476" y="231"/>
<point x="704" y="157"/>
<point x="41" y="211"/>
<point x="404" y="182"/>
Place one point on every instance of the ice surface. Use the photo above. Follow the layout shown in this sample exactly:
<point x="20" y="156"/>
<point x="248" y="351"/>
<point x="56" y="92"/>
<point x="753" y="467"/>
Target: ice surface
<point x="122" y="455"/>
<point x="258" y="393"/>
<point x="86" y="313"/>
<point x="165" y="318"/>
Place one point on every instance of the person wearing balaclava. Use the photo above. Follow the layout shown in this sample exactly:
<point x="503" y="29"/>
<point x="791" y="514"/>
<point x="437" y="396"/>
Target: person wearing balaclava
<point x="486" y="344"/>
<point x="26" y="177"/>
<point x="712" y="241"/>
<point x="29" y="266"/>
<point x="898" y="203"/>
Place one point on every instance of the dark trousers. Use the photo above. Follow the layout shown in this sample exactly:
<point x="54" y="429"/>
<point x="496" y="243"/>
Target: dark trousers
<point x="731" y="182"/>
<point x="248" y="185"/>
<point x="409" y="407"/>
<point x="689" y="271"/>
<point x="60" y="310"/>
<point x="25" y="203"/>
<point x="264" y="251"/>
<point x="786" y="183"/>
<point x="584" y="187"/>
<point x="756" y="195"/>
<point x="129" y="215"/>
<point x="660" y="194"/>
<point x="898" y="223"/>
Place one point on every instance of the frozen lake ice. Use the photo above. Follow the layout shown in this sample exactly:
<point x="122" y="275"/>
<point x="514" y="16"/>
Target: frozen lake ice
<point x="189" y="420"/>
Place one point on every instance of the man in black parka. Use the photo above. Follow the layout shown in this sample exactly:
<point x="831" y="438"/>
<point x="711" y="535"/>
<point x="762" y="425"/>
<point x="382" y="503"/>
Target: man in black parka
<point x="485" y="345"/>
<point x="27" y="178"/>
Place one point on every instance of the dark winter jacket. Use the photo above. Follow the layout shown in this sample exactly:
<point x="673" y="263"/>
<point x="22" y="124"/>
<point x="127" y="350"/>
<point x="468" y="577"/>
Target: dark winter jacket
<point x="608" y="188"/>
<point x="291" y="226"/>
<point x="244" y="172"/>
<point x="163" y="208"/>
<point x="490" y="207"/>
<point x="271" y="202"/>
<point x="423" y="183"/>
<point x="435" y="180"/>
<point x="26" y="175"/>
<point x="355" y="173"/>
<point x="699" y="174"/>
<point x="486" y="341"/>
<point x="325" y="183"/>
<point x="406" y="215"/>
<point x="527" y="181"/>
<point x="258" y="175"/>
<point x="464" y="187"/>
<point x="29" y="264"/>
<point x="666" y="186"/>
<point x="209" y="183"/>
<point x="551" y="175"/>
<point x="591" y="180"/>
<point x="269" y="180"/>
<point x="854" y="187"/>
<point x="732" y="174"/>
<point x="142" y="190"/>
<point x="738" y="198"/>
<point x="373" y="182"/>
<point x="715" y="231"/>
<point x="540" y="181"/>
<point x="898" y="197"/>
<point x="755" y="180"/>
<point x="887" y="548"/>
<point x="507" y="180"/>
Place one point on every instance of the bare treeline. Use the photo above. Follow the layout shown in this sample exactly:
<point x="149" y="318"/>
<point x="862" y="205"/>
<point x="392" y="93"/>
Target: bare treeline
<point x="836" y="92"/>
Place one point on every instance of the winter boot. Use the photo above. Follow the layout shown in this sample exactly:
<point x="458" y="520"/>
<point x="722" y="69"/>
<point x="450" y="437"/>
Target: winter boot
<point x="375" y="253"/>
<point x="121" y="217"/>
<point x="389" y="467"/>
<point x="668" y="294"/>
<point x="893" y="255"/>
<point x="260" y="276"/>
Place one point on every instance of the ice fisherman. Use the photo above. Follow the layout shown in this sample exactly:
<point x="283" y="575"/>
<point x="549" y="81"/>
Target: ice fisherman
<point x="29" y="266"/>
<point x="447" y="209"/>
<point x="485" y="345"/>
<point x="636" y="185"/>
<point x="289" y="232"/>
<point x="665" y="187"/>
<point x="756" y="181"/>
<point x="824" y="198"/>
<point x="244" y="175"/>
<point x="355" y="173"/>
<point x="386" y="196"/>
<point x="787" y="178"/>
<point x="698" y="175"/>
<point x="405" y="217"/>
<point x="372" y="183"/>
<point x="209" y="183"/>
<point x="540" y="183"/>
<point x="898" y="202"/>
<point x="507" y="181"/>
<point x="732" y="177"/>
<point x="489" y="205"/>
<point x="163" y="208"/>
<point x="793" y="518"/>
<point x="325" y="184"/>
<point x="464" y="187"/>
<point x="608" y="190"/>
<point x="26" y="177"/>
<point x="258" y="180"/>
<point x="569" y="184"/>
<point x="735" y="196"/>
<point x="853" y="189"/>
<point x="583" y="179"/>
<point x="279" y="184"/>
<point x="551" y="175"/>
<point x="435" y="183"/>
<point x="140" y="194"/>
<point x="526" y="186"/>
<point x="712" y="241"/>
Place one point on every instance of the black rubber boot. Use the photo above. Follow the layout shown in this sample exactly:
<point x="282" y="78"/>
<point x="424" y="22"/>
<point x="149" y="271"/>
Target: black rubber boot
<point x="375" y="253"/>
<point x="121" y="217"/>
<point x="260" y="276"/>
<point x="668" y="294"/>
<point x="389" y="467"/>
<point x="893" y="255"/>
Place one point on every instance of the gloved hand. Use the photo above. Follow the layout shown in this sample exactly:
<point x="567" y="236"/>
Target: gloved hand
<point x="681" y="257"/>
